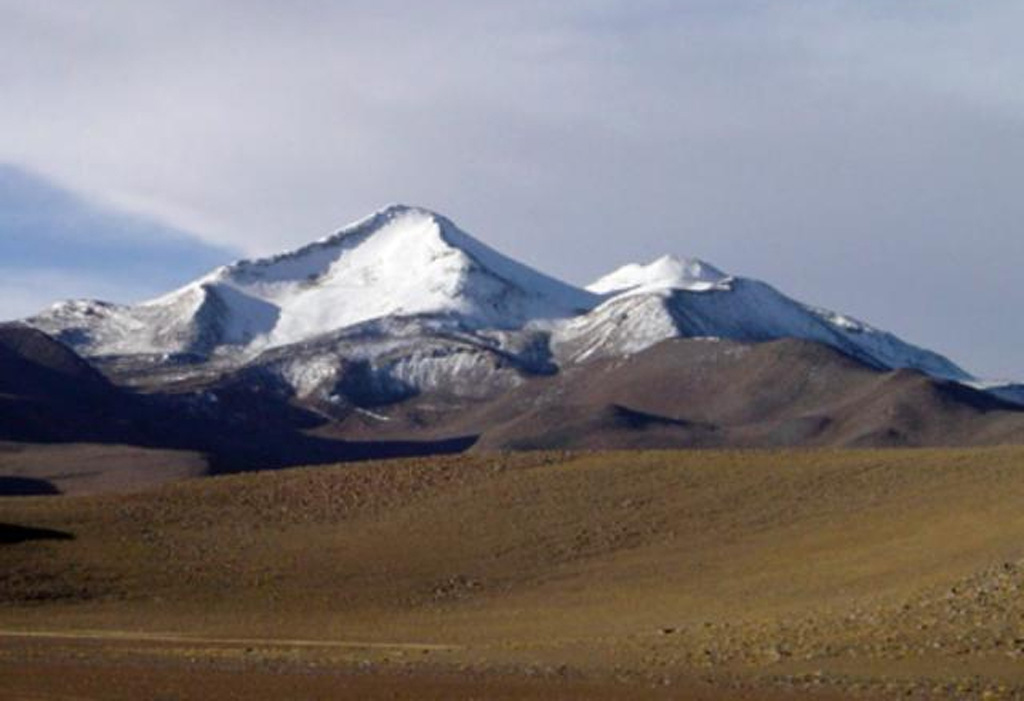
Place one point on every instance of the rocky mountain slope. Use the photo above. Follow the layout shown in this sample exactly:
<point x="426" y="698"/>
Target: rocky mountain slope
<point x="685" y="393"/>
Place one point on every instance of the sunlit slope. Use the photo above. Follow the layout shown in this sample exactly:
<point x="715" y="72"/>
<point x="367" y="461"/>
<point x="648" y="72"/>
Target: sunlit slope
<point x="525" y="549"/>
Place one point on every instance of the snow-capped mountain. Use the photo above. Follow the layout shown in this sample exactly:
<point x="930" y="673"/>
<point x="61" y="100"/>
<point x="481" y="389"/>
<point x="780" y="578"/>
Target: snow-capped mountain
<point x="673" y="297"/>
<point x="400" y="261"/>
<point x="404" y="302"/>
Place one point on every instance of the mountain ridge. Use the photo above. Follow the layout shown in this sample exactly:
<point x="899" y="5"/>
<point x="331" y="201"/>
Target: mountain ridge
<point x="415" y="304"/>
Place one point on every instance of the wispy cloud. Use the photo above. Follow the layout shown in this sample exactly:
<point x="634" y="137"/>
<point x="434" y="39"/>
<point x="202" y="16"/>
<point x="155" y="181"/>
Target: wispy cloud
<point x="55" y="245"/>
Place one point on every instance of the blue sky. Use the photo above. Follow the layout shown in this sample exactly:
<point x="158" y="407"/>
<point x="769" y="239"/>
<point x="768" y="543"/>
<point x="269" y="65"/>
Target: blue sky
<point x="861" y="155"/>
<point x="55" y="244"/>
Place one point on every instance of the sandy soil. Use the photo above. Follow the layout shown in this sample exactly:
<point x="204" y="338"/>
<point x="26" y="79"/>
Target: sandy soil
<point x="126" y="670"/>
<point x="789" y="574"/>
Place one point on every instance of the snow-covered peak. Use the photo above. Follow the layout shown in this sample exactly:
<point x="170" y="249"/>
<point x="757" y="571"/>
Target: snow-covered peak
<point x="399" y="261"/>
<point x="397" y="223"/>
<point x="397" y="250"/>
<point x="665" y="273"/>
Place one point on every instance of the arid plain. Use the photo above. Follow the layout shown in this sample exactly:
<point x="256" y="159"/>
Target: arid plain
<point x="649" y="574"/>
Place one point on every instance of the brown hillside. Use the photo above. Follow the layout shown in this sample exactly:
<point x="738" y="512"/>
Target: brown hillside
<point x="720" y="393"/>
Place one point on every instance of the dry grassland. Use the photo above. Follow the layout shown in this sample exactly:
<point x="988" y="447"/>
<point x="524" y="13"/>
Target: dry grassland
<point x="733" y="574"/>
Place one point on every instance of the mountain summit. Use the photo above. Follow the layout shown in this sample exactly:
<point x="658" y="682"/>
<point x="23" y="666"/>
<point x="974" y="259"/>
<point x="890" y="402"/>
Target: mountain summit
<point x="399" y="262"/>
<point x="667" y="272"/>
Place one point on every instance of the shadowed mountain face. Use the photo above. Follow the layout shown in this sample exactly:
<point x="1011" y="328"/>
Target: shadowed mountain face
<point x="50" y="395"/>
<point x="34" y="365"/>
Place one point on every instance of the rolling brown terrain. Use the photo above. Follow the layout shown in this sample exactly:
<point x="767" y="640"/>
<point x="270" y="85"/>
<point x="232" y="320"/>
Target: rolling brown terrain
<point x="60" y="417"/>
<point x="711" y="393"/>
<point x="648" y="574"/>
